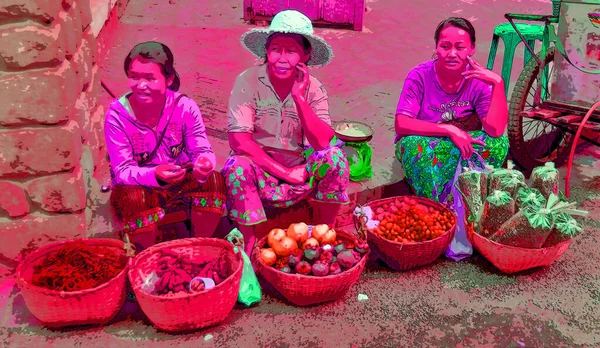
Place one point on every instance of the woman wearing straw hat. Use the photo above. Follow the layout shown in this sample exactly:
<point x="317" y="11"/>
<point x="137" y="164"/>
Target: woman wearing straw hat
<point x="284" y="149"/>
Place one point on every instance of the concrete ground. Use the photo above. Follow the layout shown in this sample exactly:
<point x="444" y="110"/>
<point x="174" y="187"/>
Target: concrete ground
<point x="447" y="304"/>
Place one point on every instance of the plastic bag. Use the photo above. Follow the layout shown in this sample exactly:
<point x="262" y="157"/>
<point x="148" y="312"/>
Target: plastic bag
<point x="526" y="229"/>
<point x="506" y="179"/>
<point x="565" y="225"/>
<point x="359" y="159"/>
<point x="473" y="184"/>
<point x="545" y="179"/>
<point x="498" y="208"/>
<point x="565" y="228"/>
<point x="460" y="248"/>
<point x="250" y="292"/>
<point x="530" y="228"/>
<point x="529" y="198"/>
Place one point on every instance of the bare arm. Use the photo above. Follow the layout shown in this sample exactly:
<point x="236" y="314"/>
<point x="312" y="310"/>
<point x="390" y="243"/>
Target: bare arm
<point x="317" y="131"/>
<point x="495" y="122"/>
<point x="244" y="145"/>
<point x="313" y="110"/>
<point x="491" y="104"/>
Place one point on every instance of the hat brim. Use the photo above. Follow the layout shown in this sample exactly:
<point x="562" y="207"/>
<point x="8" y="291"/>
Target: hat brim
<point x="256" y="39"/>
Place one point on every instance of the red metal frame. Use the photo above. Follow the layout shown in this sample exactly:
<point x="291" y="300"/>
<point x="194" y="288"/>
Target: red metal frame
<point x="575" y="141"/>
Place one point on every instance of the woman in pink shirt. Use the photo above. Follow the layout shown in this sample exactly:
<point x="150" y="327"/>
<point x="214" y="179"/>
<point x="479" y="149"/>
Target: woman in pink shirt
<point x="450" y="108"/>
<point x="278" y="111"/>
<point x="161" y="159"/>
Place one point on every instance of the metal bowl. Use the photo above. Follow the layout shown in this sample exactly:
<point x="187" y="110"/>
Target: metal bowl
<point x="343" y="130"/>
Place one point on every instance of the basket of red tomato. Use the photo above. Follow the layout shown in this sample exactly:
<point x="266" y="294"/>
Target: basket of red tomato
<point x="311" y="264"/>
<point x="406" y="232"/>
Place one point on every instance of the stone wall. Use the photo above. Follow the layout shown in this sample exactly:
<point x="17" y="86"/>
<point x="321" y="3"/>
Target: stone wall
<point x="51" y="136"/>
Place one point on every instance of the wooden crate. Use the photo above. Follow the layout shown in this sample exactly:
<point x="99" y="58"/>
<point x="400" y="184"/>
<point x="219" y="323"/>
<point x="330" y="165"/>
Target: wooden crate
<point x="323" y="13"/>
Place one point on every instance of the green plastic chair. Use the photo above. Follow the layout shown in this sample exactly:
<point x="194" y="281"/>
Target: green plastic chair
<point x="505" y="31"/>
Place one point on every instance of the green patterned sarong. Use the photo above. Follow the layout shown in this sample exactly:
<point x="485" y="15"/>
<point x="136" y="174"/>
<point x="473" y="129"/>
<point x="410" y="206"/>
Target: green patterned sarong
<point x="430" y="163"/>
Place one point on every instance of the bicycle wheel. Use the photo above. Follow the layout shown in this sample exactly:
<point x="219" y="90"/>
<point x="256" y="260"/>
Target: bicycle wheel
<point x="534" y="142"/>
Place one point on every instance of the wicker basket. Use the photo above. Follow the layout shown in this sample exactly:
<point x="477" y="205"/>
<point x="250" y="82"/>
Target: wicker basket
<point x="184" y="312"/>
<point x="509" y="259"/>
<point x="95" y="306"/>
<point x="306" y="290"/>
<point x="405" y="256"/>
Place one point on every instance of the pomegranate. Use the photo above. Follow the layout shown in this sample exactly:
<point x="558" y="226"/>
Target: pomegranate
<point x="285" y="246"/>
<point x="319" y="232"/>
<point x="310" y="243"/>
<point x="268" y="256"/>
<point x="275" y="235"/>
<point x="329" y="237"/>
<point x="298" y="232"/>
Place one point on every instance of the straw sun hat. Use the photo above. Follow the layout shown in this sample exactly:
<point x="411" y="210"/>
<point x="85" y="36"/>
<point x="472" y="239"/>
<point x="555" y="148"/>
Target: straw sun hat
<point x="289" y="22"/>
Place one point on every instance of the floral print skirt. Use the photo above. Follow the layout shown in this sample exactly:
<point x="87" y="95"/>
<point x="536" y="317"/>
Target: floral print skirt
<point x="430" y="163"/>
<point x="250" y="189"/>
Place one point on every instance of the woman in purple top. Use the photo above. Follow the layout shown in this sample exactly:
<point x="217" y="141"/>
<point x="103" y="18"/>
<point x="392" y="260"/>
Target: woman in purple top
<point x="161" y="159"/>
<point x="450" y="108"/>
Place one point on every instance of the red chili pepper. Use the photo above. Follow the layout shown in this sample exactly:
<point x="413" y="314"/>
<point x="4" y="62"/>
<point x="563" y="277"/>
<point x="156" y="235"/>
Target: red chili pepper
<point x="78" y="266"/>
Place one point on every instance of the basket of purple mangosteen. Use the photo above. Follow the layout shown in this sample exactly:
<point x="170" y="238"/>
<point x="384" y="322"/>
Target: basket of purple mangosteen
<point x="311" y="264"/>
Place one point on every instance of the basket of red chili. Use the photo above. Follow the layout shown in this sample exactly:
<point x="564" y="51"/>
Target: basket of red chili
<point x="77" y="282"/>
<point x="187" y="284"/>
<point x="406" y="232"/>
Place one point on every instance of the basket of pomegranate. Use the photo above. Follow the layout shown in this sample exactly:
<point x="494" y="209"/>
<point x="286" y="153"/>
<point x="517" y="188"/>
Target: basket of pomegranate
<point x="406" y="232"/>
<point x="311" y="264"/>
<point x="187" y="284"/>
<point x="514" y="225"/>
<point x="78" y="282"/>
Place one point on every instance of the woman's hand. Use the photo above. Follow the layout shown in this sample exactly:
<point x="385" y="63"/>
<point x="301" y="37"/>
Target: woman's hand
<point x="169" y="173"/>
<point x="298" y="175"/>
<point x="301" y="82"/>
<point x="464" y="142"/>
<point x="479" y="72"/>
<point x="202" y="168"/>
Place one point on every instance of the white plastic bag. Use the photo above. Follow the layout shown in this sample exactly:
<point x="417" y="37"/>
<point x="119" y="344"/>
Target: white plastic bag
<point x="460" y="248"/>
